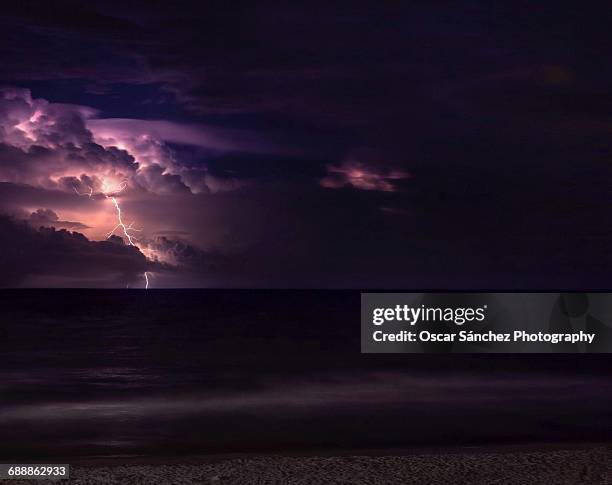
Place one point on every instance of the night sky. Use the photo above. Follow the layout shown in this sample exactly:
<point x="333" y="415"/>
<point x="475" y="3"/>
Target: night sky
<point x="344" y="144"/>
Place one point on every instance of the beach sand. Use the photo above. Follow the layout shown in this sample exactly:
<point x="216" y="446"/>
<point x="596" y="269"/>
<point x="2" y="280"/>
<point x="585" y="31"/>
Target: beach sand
<point x="591" y="465"/>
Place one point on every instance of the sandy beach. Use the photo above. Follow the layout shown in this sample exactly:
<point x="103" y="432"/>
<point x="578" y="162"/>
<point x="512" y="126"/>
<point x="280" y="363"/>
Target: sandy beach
<point x="587" y="465"/>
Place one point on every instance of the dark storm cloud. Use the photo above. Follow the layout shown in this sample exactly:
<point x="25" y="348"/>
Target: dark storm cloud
<point x="27" y="253"/>
<point x="14" y="197"/>
<point x="41" y="31"/>
<point x="210" y="137"/>
<point x="49" y="218"/>
<point x="351" y="64"/>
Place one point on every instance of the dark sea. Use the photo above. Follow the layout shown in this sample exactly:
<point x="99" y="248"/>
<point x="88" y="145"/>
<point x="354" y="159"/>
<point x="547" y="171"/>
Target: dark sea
<point x="93" y="373"/>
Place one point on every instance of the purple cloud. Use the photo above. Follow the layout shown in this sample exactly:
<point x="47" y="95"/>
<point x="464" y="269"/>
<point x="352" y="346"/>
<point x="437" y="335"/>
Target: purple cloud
<point x="362" y="176"/>
<point x="61" y="147"/>
<point x="33" y="257"/>
<point x="49" y="218"/>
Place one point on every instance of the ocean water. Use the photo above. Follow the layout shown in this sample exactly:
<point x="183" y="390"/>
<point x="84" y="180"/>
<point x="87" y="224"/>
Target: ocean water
<point x="171" y="372"/>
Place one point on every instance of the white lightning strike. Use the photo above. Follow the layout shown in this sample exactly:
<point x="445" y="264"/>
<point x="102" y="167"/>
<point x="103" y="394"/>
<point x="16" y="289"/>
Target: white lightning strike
<point x="110" y="193"/>
<point x="126" y="229"/>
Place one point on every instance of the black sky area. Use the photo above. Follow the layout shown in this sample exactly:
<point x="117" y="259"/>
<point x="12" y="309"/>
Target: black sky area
<point x="440" y="144"/>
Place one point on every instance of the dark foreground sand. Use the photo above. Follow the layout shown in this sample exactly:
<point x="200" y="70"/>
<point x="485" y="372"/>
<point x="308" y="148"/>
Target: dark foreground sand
<point x="591" y="465"/>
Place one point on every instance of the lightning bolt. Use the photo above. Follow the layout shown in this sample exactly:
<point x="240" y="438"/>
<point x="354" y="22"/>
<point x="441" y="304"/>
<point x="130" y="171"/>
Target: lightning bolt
<point x="126" y="229"/>
<point x="110" y="192"/>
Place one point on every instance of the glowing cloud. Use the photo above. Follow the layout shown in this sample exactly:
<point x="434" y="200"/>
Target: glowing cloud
<point x="58" y="146"/>
<point x="111" y="191"/>
<point x="362" y="176"/>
